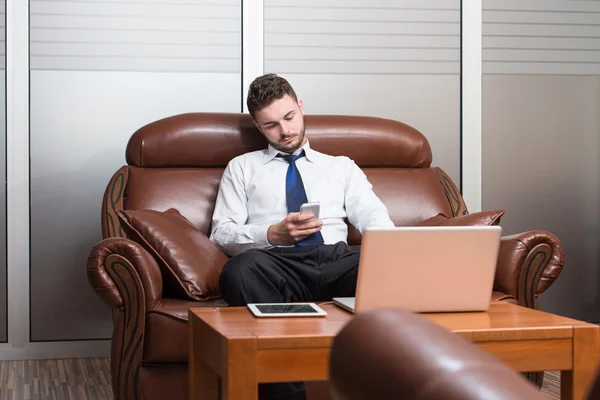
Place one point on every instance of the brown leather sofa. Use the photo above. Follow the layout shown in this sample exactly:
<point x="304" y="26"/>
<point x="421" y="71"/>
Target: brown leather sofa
<point x="410" y="357"/>
<point x="177" y="163"/>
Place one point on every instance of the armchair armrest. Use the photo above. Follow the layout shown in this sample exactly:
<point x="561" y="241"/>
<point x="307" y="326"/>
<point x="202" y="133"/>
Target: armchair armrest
<point x="124" y="274"/>
<point x="528" y="263"/>
<point x="394" y="354"/>
<point x="129" y="280"/>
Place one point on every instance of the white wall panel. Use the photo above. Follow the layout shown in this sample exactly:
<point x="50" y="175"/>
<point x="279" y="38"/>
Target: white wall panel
<point x="541" y="37"/>
<point x="542" y="166"/>
<point x="3" y="34"/>
<point x="362" y="37"/>
<point x="541" y="134"/>
<point x="99" y="71"/>
<point x="395" y="59"/>
<point x="193" y="36"/>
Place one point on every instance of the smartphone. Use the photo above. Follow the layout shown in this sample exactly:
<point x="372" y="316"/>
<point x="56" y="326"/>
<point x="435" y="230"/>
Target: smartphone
<point x="313" y="208"/>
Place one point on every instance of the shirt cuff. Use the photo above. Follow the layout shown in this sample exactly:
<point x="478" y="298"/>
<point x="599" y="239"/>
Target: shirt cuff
<point x="259" y="234"/>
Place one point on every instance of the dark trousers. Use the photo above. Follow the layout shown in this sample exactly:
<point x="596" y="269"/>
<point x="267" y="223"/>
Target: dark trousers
<point x="285" y="275"/>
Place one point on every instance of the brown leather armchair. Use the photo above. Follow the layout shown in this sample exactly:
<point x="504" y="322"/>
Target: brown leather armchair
<point x="177" y="163"/>
<point x="410" y="357"/>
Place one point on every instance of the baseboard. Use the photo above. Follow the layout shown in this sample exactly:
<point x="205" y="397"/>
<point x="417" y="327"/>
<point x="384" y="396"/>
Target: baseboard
<point x="55" y="350"/>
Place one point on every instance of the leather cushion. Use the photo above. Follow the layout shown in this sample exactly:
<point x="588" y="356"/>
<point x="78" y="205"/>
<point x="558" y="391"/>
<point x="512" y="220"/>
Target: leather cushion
<point x="411" y="195"/>
<point x="159" y="382"/>
<point x="190" y="262"/>
<point x="213" y="139"/>
<point x="166" y="336"/>
<point x="499" y="296"/>
<point x="410" y="357"/>
<point x="483" y="218"/>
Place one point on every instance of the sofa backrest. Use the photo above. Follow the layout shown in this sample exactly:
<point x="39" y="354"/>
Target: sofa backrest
<point x="177" y="162"/>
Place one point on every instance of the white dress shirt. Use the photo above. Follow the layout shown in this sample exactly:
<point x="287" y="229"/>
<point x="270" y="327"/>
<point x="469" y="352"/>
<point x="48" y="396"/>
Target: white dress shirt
<point x="252" y="197"/>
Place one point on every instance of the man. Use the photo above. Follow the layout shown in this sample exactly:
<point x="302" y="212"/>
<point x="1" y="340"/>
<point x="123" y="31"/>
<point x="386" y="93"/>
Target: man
<point x="278" y="254"/>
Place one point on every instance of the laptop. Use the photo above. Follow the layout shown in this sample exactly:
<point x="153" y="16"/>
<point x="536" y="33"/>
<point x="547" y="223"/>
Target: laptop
<point x="426" y="269"/>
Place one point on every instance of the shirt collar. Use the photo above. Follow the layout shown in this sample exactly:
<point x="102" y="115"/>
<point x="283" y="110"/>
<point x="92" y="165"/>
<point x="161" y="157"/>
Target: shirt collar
<point x="272" y="152"/>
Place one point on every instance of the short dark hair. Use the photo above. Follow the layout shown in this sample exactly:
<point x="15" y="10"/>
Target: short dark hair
<point x="266" y="89"/>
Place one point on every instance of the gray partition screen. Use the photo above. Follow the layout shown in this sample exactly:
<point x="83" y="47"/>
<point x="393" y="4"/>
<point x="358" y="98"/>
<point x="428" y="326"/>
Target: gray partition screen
<point x="541" y="135"/>
<point x="397" y="59"/>
<point x="99" y="71"/>
<point x="3" y="283"/>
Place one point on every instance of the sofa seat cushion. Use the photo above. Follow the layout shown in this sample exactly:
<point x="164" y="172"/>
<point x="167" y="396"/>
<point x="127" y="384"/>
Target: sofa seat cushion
<point x="482" y="218"/>
<point x="499" y="296"/>
<point x="166" y="336"/>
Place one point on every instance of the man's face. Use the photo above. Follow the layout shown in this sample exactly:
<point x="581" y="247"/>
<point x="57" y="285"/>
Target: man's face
<point x="282" y="124"/>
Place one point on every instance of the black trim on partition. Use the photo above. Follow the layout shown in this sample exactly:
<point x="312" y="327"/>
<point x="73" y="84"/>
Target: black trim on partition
<point x="29" y="156"/>
<point x="5" y="188"/>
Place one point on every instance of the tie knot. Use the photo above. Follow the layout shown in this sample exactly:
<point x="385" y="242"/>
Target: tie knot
<point x="290" y="158"/>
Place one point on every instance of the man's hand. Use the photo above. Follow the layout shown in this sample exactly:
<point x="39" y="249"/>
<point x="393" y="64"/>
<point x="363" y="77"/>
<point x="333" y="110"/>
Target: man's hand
<point x="293" y="229"/>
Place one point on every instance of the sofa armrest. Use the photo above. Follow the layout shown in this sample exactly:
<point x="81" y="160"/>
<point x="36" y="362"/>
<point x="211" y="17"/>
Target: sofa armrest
<point x="121" y="271"/>
<point x="128" y="279"/>
<point x="528" y="263"/>
<point x="394" y="354"/>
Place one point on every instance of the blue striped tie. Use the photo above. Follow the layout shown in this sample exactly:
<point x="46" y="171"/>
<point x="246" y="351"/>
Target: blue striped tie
<point x="296" y="195"/>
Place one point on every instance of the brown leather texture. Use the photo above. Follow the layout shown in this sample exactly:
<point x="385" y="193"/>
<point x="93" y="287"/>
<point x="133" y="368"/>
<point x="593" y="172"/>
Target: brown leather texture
<point x="409" y="357"/>
<point x="318" y="390"/>
<point x="159" y="350"/>
<point x="114" y="195"/>
<point x="499" y="296"/>
<point x="213" y="139"/>
<point x="528" y="263"/>
<point x="169" y="320"/>
<point x="191" y="191"/>
<point x="457" y="203"/>
<point x="105" y="259"/>
<point x="135" y="306"/>
<point x="482" y="218"/>
<point x="164" y="382"/>
<point x="411" y="195"/>
<point x="190" y="261"/>
<point x="116" y="349"/>
<point x="119" y="266"/>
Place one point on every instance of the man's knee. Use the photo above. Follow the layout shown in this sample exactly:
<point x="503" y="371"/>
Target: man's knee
<point x="232" y="275"/>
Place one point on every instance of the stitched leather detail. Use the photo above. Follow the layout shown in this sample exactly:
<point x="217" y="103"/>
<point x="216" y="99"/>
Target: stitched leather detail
<point x="112" y="202"/>
<point x="530" y="275"/>
<point x="134" y="304"/>
<point x="455" y="199"/>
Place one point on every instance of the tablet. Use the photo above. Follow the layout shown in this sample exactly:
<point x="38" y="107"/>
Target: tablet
<point x="286" y="310"/>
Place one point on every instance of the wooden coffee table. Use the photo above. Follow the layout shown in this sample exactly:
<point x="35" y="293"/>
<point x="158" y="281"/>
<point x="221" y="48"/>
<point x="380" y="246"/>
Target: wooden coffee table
<point x="243" y="351"/>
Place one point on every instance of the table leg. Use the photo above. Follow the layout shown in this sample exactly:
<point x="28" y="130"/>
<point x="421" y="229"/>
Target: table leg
<point x="240" y="383"/>
<point x="203" y="382"/>
<point x="586" y="347"/>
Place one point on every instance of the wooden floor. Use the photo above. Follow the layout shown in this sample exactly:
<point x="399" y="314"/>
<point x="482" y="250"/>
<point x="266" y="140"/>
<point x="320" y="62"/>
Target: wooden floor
<point x="77" y="379"/>
<point x="89" y="379"/>
<point x="552" y="384"/>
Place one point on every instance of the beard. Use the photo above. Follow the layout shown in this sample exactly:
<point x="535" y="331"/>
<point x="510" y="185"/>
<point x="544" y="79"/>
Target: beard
<point x="290" y="142"/>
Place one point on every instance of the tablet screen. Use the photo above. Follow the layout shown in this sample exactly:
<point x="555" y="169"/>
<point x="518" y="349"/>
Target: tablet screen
<point x="285" y="308"/>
